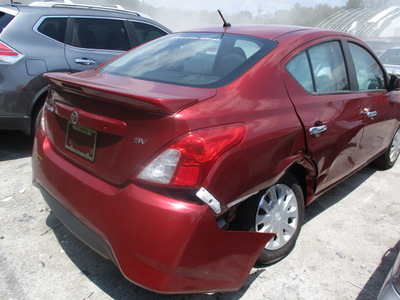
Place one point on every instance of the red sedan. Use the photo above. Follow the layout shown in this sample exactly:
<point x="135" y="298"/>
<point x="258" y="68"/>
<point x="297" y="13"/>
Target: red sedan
<point x="188" y="159"/>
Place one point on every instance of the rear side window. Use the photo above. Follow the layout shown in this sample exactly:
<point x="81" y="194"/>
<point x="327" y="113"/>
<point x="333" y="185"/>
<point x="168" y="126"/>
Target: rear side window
<point x="4" y="20"/>
<point x="54" y="28"/>
<point x="192" y="59"/>
<point x="146" y="32"/>
<point x="96" y="33"/>
<point x="321" y="68"/>
<point x="300" y="69"/>
<point x="370" y="76"/>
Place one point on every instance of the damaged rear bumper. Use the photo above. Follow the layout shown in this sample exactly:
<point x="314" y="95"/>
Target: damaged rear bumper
<point x="159" y="243"/>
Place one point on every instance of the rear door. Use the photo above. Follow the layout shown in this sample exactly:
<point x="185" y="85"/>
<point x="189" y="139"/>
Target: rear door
<point x="318" y="85"/>
<point x="92" y="41"/>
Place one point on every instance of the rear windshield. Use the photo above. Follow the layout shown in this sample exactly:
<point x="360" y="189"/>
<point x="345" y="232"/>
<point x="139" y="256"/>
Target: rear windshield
<point x="4" y="20"/>
<point x="205" y="60"/>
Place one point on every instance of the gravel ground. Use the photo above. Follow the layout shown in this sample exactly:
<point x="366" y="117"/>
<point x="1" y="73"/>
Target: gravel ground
<point x="344" y="251"/>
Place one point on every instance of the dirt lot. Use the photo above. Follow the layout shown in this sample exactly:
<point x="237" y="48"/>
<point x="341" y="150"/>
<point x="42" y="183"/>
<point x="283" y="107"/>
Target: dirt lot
<point x="345" y="249"/>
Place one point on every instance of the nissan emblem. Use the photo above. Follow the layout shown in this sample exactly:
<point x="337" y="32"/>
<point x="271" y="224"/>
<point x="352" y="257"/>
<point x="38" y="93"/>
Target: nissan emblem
<point x="74" y="117"/>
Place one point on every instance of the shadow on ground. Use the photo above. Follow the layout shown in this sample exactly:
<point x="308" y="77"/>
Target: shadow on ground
<point x="14" y="145"/>
<point x="339" y="192"/>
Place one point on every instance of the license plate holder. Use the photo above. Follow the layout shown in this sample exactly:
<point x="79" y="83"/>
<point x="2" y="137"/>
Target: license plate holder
<point x="81" y="140"/>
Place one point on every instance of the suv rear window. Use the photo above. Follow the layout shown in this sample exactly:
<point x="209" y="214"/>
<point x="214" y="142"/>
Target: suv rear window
<point x="147" y="32"/>
<point x="192" y="59"/>
<point x="4" y="20"/>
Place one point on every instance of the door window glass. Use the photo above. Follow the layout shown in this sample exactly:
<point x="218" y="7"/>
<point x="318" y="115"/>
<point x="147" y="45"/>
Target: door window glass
<point x="320" y="69"/>
<point x="100" y="34"/>
<point x="146" y="32"/>
<point x="54" y="28"/>
<point x="370" y="75"/>
<point x="299" y="67"/>
<point x="328" y="67"/>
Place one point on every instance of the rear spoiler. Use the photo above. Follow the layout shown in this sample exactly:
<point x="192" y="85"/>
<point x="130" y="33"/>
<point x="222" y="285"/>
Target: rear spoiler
<point x="128" y="91"/>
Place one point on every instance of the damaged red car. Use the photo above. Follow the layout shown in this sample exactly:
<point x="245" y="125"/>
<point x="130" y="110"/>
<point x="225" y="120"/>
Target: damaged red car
<point x="189" y="158"/>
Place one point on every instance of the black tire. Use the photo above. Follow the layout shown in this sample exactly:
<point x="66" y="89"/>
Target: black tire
<point x="286" y="202"/>
<point x="390" y="156"/>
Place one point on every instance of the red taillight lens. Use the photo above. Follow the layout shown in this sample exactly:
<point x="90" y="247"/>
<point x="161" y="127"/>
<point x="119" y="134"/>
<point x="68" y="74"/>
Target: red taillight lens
<point x="187" y="161"/>
<point x="8" y="55"/>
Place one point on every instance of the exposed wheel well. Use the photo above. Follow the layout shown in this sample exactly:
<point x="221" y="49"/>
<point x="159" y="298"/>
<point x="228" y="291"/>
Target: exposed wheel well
<point x="300" y="173"/>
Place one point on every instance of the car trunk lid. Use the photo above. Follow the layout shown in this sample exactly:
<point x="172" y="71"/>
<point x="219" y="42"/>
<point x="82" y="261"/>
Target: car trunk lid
<point x="110" y="125"/>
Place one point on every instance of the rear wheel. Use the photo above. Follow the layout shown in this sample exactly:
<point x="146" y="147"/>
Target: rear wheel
<point x="279" y="209"/>
<point x="390" y="156"/>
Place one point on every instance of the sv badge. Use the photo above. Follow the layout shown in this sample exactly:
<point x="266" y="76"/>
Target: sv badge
<point x="140" y="141"/>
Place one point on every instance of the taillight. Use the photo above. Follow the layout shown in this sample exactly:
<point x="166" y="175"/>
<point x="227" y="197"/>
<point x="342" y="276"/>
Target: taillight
<point x="187" y="161"/>
<point x="8" y="55"/>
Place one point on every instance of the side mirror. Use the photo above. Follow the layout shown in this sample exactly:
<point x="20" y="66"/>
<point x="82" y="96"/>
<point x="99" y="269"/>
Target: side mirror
<point x="394" y="83"/>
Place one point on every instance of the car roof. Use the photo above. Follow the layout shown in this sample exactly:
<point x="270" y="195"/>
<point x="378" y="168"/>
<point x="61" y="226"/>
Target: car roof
<point x="272" y="32"/>
<point x="54" y="8"/>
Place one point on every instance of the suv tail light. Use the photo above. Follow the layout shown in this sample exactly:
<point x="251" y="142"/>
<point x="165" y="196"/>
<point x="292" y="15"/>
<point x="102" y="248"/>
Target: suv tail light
<point x="186" y="161"/>
<point x="8" y="55"/>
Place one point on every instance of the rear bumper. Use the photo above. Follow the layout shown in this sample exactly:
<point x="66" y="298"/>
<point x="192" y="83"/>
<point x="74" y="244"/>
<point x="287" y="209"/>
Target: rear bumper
<point x="160" y="243"/>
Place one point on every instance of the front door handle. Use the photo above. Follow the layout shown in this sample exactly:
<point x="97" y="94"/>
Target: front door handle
<point x="371" y="114"/>
<point x="318" y="130"/>
<point x="85" y="61"/>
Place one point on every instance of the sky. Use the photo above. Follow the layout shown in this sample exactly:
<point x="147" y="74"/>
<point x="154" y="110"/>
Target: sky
<point x="235" y="6"/>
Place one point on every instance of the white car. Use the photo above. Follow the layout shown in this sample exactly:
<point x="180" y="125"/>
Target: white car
<point x="391" y="60"/>
<point x="391" y="287"/>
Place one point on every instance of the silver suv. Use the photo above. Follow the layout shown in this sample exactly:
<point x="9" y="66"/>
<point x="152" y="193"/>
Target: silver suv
<point x="47" y="37"/>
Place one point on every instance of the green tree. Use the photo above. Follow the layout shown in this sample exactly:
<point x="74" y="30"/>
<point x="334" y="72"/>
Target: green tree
<point x="355" y="4"/>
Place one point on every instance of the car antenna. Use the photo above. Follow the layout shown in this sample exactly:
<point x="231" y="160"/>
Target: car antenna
<point x="226" y="24"/>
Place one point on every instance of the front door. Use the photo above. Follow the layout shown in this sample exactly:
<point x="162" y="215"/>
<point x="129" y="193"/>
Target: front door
<point x="379" y="113"/>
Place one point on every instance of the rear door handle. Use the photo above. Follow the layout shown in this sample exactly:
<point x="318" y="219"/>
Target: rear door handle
<point x="317" y="130"/>
<point x="85" y="61"/>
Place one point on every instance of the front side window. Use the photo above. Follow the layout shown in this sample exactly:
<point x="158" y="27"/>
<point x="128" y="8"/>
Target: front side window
<point x="370" y="75"/>
<point x="321" y="68"/>
<point x="54" y="28"/>
<point x="94" y="33"/>
<point x="192" y="59"/>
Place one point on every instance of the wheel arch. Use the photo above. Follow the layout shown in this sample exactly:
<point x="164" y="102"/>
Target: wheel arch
<point x="305" y="173"/>
<point x="35" y="106"/>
